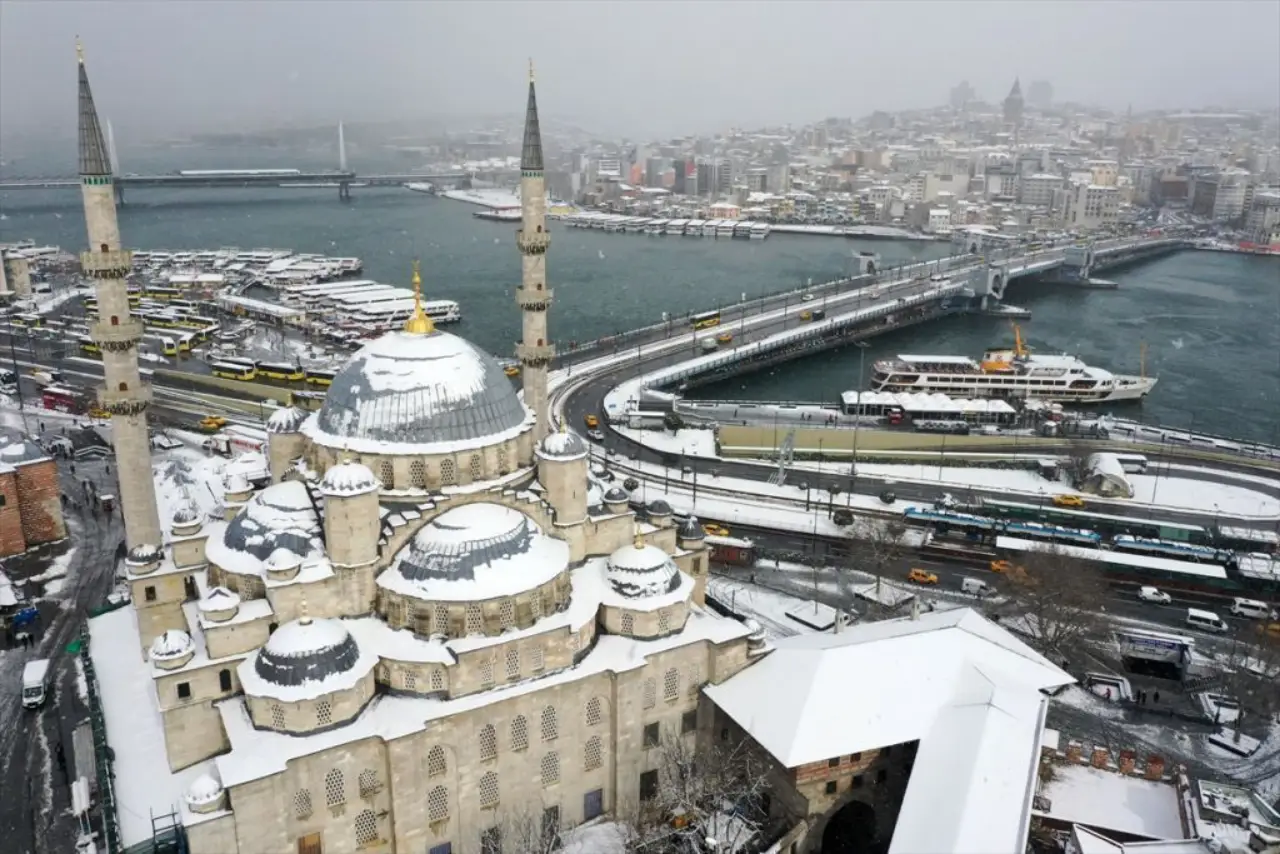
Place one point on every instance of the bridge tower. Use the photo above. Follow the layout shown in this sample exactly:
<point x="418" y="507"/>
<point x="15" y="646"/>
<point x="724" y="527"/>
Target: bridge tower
<point x="535" y="350"/>
<point x="344" y="187"/>
<point x="117" y="333"/>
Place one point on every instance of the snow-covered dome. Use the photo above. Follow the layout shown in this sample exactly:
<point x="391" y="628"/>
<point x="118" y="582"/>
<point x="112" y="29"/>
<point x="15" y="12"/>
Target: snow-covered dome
<point x="280" y="516"/>
<point x="658" y="507"/>
<point x="144" y="553"/>
<point x="642" y="570"/>
<point x="690" y="529"/>
<point x="282" y="560"/>
<point x="616" y="495"/>
<point x="476" y="551"/>
<point x="236" y="482"/>
<point x="204" y="793"/>
<point x="563" y="445"/>
<point x="219" y="599"/>
<point x="286" y="419"/>
<point x="186" y="513"/>
<point x="422" y="393"/>
<point x="172" y="649"/>
<point x="306" y="650"/>
<point x="349" y="479"/>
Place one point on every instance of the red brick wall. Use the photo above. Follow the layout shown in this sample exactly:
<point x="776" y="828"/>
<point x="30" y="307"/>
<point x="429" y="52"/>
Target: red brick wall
<point x="40" y="499"/>
<point x="11" y="539"/>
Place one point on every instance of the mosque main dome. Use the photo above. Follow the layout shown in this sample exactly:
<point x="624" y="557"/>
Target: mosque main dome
<point x="425" y="393"/>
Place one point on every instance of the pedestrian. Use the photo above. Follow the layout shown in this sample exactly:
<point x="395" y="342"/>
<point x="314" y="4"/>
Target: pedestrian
<point x="1156" y="697"/>
<point x="73" y="469"/>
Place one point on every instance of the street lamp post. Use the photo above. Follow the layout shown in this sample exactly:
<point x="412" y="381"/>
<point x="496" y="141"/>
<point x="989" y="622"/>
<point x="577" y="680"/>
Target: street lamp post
<point x="857" y="419"/>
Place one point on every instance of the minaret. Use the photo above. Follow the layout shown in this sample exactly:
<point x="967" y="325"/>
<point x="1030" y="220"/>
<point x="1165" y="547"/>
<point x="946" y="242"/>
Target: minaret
<point x="125" y="396"/>
<point x="533" y="296"/>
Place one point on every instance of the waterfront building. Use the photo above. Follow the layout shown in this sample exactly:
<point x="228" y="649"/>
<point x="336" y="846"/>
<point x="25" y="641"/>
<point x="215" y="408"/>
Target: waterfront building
<point x="116" y="333"/>
<point x="1087" y="206"/>
<point x="1220" y="196"/>
<point x="1263" y="221"/>
<point x="1038" y="190"/>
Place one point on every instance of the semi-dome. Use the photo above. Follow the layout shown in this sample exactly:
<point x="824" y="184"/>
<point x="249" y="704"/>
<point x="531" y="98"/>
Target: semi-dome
<point x="286" y="419"/>
<point x="691" y="530"/>
<point x="417" y="393"/>
<point x="475" y="552"/>
<point x="306" y="650"/>
<point x="642" y="570"/>
<point x="563" y="445"/>
<point x="348" y="479"/>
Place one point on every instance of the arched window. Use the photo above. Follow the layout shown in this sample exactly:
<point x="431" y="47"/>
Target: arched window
<point x="535" y="605"/>
<point x="123" y="387"/>
<point x="224" y="680"/>
<point x="302" y="803"/>
<point x="387" y="474"/>
<point x="539" y="342"/>
<point x="549" y="728"/>
<point x="628" y="623"/>
<point x="335" y="791"/>
<point x="368" y="782"/>
<point x="115" y="321"/>
<point x="410" y="681"/>
<point x="550" y="768"/>
<point x="277" y="716"/>
<point x="436" y="762"/>
<point x="477" y="470"/>
<point x="437" y="680"/>
<point x="440" y="620"/>
<point x="438" y="804"/>
<point x="664" y="623"/>
<point x="671" y="685"/>
<point x="503" y="467"/>
<point x="650" y="694"/>
<point x="448" y="472"/>
<point x="366" y="827"/>
<point x="536" y="662"/>
<point x="488" y="742"/>
<point x="592" y="754"/>
<point x="695" y="680"/>
<point x="486" y="672"/>
<point x="475" y="620"/>
<point x="418" y="474"/>
<point x="324" y="713"/>
<point x="519" y="733"/>
<point x="595" y="711"/>
<point x="507" y="613"/>
<point x="513" y="663"/>
<point x="489" y="790"/>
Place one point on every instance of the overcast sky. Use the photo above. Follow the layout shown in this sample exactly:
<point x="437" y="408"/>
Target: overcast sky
<point x="646" y="69"/>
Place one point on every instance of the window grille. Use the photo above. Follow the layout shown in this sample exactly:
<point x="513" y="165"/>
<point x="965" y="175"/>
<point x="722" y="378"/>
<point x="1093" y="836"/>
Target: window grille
<point x="592" y="754"/>
<point x="436" y="762"/>
<point x="418" y="474"/>
<point x="650" y="694"/>
<point x="475" y="620"/>
<point x="535" y="605"/>
<point x="695" y="680"/>
<point x="503" y="466"/>
<point x="536" y="659"/>
<point x="594" y="711"/>
<point x="488" y="742"/>
<point x="386" y="474"/>
<point x="302" y="803"/>
<point x="334" y="790"/>
<point x="440" y="620"/>
<point x="366" y="827"/>
<point x="410" y="681"/>
<point x="368" y="782"/>
<point x="477" y="470"/>
<point x="664" y="623"/>
<point x="628" y="624"/>
<point x="513" y="663"/>
<point x="507" y="613"/>
<point x="324" y="713"/>
<point x="486" y="673"/>
<point x="438" y="804"/>
<point x="277" y="716"/>
<point x="671" y="685"/>
<point x="549" y="728"/>
<point x="437" y="680"/>
<point x="550" y="768"/>
<point x="448" y="472"/>
<point x="519" y="733"/>
<point x="489" y="790"/>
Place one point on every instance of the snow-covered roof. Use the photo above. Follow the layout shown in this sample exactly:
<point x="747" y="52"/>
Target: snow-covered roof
<point x="475" y="552"/>
<point x="820" y="706"/>
<point x="616" y="495"/>
<point x="204" y="789"/>
<point x="281" y="516"/>
<point x="658" y="507"/>
<point x="219" y="599"/>
<point x="562" y="445"/>
<point x="305" y="659"/>
<point x="641" y="569"/>
<point x="690" y="529"/>
<point x="1107" y="800"/>
<point x="287" y="419"/>
<point x="407" y="393"/>
<point x="22" y="451"/>
<point x="173" y="643"/>
<point x="348" y="479"/>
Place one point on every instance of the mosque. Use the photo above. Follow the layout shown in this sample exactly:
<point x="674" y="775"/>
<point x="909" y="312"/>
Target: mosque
<point x="428" y="624"/>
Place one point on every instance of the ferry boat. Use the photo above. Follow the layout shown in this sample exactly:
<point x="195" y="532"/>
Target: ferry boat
<point x="694" y="228"/>
<point x="725" y="227"/>
<point x="709" y="227"/>
<point x="657" y="226"/>
<point x="676" y="226"/>
<point x="1009" y="373"/>
<point x="760" y="231"/>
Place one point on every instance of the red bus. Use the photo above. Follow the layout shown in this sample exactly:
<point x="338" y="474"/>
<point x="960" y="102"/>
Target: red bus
<point x="62" y="399"/>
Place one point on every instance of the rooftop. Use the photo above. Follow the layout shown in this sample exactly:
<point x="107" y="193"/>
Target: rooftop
<point x="1110" y="801"/>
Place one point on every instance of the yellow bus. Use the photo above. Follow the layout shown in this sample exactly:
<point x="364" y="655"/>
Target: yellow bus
<point x="706" y="319"/>
<point x="318" y="377"/>
<point x="281" y="371"/>
<point x="89" y="347"/>
<point x="228" y="371"/>
<point x="168" y="346"/>
<point x="184" y="342"/>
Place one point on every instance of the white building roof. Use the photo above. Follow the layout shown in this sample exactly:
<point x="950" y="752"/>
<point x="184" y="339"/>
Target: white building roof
<point x="1108" y="800"/>
<point x="819" y="703"/>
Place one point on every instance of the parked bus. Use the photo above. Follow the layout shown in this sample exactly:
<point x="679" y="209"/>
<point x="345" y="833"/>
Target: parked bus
<point x="706" y="319"/>
<point x="316" y="376"/>
<point x="161" y="293"/>
<point x="88" y="346"/>
<point x="1132" y="463"/>
<point x="281" y="371"/>
<point x="230" y="371"/>
<point x="185" y="341"/>
<point x="60" y="398"/>
<point x="29" y="321"/>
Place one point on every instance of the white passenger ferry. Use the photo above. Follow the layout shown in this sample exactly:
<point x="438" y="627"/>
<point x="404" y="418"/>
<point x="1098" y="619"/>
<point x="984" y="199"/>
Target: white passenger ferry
<point x="1009" y="373"/>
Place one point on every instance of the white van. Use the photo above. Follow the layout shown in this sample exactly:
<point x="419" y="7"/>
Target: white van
<point x="35" y="682"/>
<point x="975" y="586"/>
<point x="1251" y="608"/>
<point x="1206" y="620"/>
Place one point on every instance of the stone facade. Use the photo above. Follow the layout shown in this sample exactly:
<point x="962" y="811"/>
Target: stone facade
<point x="40" y="498"/>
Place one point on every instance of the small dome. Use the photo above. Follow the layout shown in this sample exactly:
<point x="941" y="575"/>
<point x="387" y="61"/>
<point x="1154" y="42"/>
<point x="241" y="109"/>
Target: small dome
<point x="642" y="570"/>
<point x="616" y="495"/>
<point x="144" y="553"/>
<point x="563" y="444"/>
<point x="287" y="419"/>
<point x="691" y="530"/>
<point x="658" y="507"/>
<point x="186" y="513"/>
<point x="219" y="599"/>
<point x="282" y="560"/>
<point x="204" y="788"/>
<point x="306" y="650"/>
<point x="348" y="479"/>
<point x="236" y="482"/>
<point x="174" y="643"/>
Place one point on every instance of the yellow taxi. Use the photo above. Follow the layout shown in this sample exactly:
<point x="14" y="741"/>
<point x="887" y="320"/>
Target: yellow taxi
<point x="724" y="337"/>
<point x="714" y="530"/>
<point x="591" y="421"/>
<point x="1067" y="500"/>
<point x="1001" y="566"/>
<point x="922" y="576"/>
<point x="212" y="423"/>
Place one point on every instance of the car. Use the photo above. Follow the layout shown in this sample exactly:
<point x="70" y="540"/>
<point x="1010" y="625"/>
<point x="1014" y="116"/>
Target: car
<point x="595" y="435"/>
<point x="1001" y="566"/>
<point x="1154" y="594"/>
<point x="1068" y="500"/>
<point x="807" y="298"/>
<point x="212" y="423"/>
<point x="922" y="576"/>
<point x="888" y="497"/>
<point x="591" y="421"/>
<point x="724" y="337"/>
<point x="714" y="530"/>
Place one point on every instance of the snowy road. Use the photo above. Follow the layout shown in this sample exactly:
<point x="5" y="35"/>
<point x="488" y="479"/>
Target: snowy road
<point x="34" y="794"/>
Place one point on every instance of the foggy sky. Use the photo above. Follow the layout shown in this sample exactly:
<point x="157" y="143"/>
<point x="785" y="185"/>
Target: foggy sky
<point x="162" y="69"/>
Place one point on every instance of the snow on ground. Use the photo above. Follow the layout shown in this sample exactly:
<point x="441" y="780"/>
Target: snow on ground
<point x="1112" y="801"/>
<point x="694" y="443"/>
<point x="597" y="837"/>
<point x="82" y="684"/>
<point x="57" y="568"/>
<point x="186" y="474"/>
<point x="767" y="607"/>
<point x="485" y="197"/>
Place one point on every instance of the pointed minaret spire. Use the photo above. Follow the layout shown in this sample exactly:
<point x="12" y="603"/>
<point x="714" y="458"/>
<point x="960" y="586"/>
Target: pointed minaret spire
<point x="531" y="153"/>
<point x="93" y="150"/>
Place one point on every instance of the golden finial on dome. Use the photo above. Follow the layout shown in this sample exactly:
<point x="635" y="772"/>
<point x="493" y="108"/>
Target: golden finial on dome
<point x="418" y="323"/>
<point x="639" y="540"/>
<point x="79" y="51"/>
<point x="304" y="616"/>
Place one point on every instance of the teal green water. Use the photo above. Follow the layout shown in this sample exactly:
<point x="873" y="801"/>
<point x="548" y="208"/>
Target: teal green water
<point x="1211" y="321"/>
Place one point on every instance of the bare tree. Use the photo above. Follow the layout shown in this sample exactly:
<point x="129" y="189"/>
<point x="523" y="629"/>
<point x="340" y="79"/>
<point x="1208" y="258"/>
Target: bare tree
<point x="1251" y="671"/>
<point x="707" y="798"/>
<point x="1053" y="599"/>
<point x="529" y="829"/>
<point x="1076" y="463"/>
<point x="878" y="550"/>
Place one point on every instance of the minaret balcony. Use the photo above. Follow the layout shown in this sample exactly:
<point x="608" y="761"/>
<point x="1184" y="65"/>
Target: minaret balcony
<point x="535" y="354"/>
<point x="533" y="299"/>
<point x="532" y="242"/>
<point x="129" y="402"/>
<point x="112" y="264"/>
<point x="127" y="333"/>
